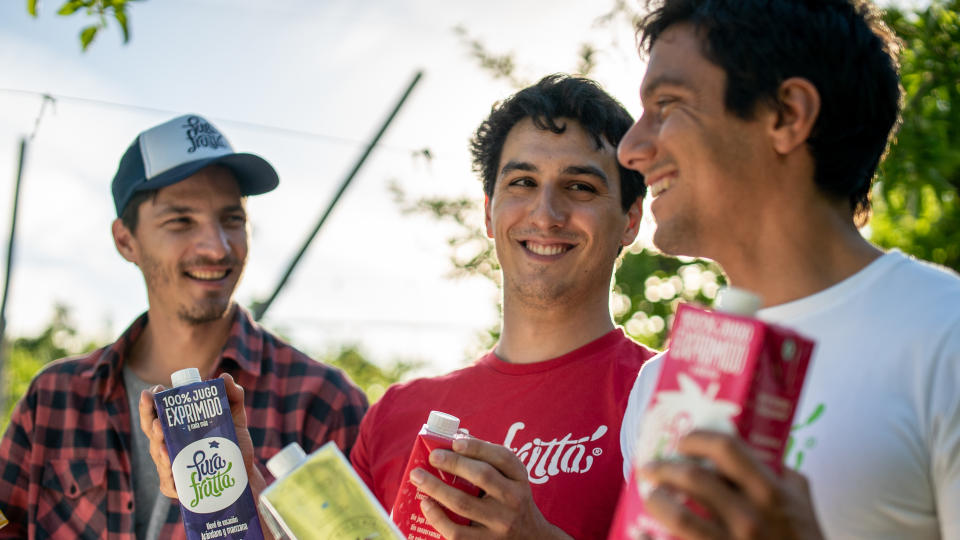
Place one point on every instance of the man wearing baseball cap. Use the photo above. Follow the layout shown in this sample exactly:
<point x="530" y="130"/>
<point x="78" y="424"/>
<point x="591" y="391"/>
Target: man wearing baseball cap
<point x="74" y="461"/>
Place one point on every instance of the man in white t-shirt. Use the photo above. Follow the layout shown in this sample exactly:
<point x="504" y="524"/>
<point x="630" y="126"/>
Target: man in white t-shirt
<point x="763" y="125"/>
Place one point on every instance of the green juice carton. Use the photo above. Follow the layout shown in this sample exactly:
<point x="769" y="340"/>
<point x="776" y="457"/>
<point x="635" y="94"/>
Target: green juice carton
<point x="320" y="497"/>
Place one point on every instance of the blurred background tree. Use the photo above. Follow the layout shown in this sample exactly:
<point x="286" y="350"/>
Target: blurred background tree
<point x="101" y="11"/>
<point x="373" y="379"/>
<point x="27" y="355"/>
<point x="916" y="197"/>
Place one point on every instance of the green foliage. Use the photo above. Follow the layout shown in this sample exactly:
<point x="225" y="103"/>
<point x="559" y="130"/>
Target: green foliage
<point x="498" y="66"/>
<point x="87" y="35"/>
<point x="27" y="355"/>
<point x="472" y="253"/>
<point x="373" y="379"/>
<point x="650" y="285"/>
<point x="916" y="202"/>
<point x="101" y="10"/>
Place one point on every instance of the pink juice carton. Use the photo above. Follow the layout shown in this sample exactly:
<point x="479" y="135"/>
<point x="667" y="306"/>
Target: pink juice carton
<point x="211" y="480"/>
<point x="439" y="432"/>
<point x="726" y="371"/>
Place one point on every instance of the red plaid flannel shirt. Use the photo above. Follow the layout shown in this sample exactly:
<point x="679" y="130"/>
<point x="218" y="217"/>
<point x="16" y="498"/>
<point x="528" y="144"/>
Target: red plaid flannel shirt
<point x="65" y="469"/>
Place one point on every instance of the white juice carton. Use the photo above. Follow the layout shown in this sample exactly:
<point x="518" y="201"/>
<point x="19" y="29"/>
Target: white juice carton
<point x="723" y="371"/>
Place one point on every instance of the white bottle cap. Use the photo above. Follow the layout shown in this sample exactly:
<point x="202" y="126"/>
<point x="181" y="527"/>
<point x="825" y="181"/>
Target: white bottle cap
<point x="737" y="301"/>
<point x="286" y="460"/>
<point x="185" y="376"/>
<point x="443" y="423"/>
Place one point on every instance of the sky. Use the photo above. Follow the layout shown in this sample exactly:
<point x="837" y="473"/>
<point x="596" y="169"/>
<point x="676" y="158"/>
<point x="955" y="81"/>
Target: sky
<point x="304" y="84"/>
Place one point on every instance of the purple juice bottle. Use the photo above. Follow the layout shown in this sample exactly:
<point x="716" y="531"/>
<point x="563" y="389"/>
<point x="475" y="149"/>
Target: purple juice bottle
<point x="211" y="481"/>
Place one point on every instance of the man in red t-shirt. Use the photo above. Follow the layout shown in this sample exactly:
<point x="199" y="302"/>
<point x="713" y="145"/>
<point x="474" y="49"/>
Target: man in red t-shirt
<point x="546" y="404"/>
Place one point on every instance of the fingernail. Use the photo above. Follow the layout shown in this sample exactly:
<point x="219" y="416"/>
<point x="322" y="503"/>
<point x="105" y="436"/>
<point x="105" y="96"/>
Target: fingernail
<point x="437" y="457"/>
<point x="426" y="505"/>
<point x="459" y="445"/>
<point x="417" y="476"/>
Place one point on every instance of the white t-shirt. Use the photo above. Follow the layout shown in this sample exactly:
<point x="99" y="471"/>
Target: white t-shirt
<point x="877" y="430"/>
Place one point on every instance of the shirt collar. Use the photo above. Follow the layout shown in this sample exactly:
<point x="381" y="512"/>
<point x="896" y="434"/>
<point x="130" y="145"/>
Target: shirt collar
<point x="244" y="347"/>
<point x="244" y="343"/>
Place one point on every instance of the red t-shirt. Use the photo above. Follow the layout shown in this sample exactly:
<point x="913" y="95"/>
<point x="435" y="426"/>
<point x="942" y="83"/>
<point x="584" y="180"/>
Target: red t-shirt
<point x="561" y="417"/>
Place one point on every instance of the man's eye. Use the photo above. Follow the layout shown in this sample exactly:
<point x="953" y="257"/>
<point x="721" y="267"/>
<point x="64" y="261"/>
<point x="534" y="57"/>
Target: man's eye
<point x="580" y="186"/>
<point x="179" y="222"/>
<point x="236" y="220"/>
<point x="665" y="104"/>
<point x="524" y="181"/>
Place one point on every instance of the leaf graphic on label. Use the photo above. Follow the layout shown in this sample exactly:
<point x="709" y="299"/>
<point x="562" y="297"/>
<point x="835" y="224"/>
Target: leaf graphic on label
<point x="817" y="412"/>
<point x="796" y="460"/>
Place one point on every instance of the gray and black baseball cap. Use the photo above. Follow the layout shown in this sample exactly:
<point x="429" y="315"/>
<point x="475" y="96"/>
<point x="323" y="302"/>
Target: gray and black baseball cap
<point x="172" y="151"/>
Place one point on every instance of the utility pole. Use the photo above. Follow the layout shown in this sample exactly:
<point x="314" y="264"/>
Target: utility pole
<point x="10" y="245"/>
<point x="260" y="308"/>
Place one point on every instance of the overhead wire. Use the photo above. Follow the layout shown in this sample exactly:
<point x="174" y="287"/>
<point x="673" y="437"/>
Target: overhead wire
<point x="245" y="123"/>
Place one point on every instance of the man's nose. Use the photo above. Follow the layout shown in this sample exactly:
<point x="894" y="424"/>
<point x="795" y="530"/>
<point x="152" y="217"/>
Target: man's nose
<point x="549" y="208"/>
<point x="636" y="150"/>
<point x="214" y="242"/>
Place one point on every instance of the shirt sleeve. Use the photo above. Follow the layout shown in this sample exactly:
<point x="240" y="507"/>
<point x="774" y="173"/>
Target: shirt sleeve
<point x="636" y="405"/>
<point x="360" y="456"/>
<point x="335" y="415"/>
<point x="15" y="450"/>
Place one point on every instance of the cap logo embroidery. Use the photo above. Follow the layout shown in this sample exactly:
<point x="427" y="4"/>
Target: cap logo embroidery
<point x="202" y="135"/>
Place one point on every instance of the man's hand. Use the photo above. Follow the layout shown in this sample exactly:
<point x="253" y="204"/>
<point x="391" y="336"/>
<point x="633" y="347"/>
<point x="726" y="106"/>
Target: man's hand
<point x="150" y="425"/>
<point x="506" y="510"/>
<point x="746" y="499"/>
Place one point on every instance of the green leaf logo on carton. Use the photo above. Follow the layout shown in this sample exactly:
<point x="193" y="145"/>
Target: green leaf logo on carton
<point x="210" y="476"/>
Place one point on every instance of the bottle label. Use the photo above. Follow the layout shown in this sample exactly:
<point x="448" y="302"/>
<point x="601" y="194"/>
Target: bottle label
<point x="209" y="474"/>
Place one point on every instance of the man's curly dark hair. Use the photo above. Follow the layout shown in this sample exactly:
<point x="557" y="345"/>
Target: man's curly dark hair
<point x="843" y="47"/>
<point x="554" y="97"/>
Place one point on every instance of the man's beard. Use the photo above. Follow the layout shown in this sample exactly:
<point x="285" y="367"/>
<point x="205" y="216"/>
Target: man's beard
<point x="205" y="310"/>
<point x="209" y="310"/>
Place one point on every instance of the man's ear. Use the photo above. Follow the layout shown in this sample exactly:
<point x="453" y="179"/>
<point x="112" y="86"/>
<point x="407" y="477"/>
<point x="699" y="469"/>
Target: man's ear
<point x="486" y="216"/>
<point x="124" y="241"/>
<point x="634" y="215"/>
<point x="799" y="108"/>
